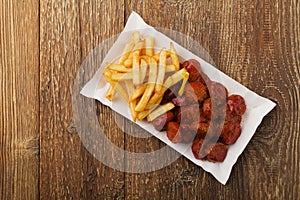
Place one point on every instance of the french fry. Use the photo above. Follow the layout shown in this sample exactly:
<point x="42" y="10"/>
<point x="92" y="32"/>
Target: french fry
<point x="144" y="57"/>
<point x="128" y="62"/>
<point x="174" y="78"/>
<point x="110" y="93"/>
<point x="135" y="62"/>
<point x="107" y="74"/>
<point x="154" y="100"/>
<point x="138" y="46"/>
<point x="170" y="68"/>
<point x="128" y="48"/>
<point x="129" y="87"/>
<point x="135" y="37"/>
<point x="143" y="70"/>
<point x="121" y="92"/>
<point x="154" y="105"/>
<point x="174" y="56"/>
<point x="159" y="111"/>
<point x="136" y="68"/>
<point x="185" y="79"/>
<point x="143" y="114"/>
<point x="150" y="86"/>
<point x="132" y="105"/>
<point x="161" y="70"/>
<point x="156" y="56"/>
<point x="118" y="67"/>
<point x="130" y="55"/>
<point x="121" y="76"/>
<point x="149" y="45"/>
<point x="171" y="80"/>
<point x="138" y="92"/>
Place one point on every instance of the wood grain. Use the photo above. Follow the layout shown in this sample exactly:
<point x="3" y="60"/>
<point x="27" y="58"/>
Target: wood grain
<point x="69" y="31"/>
<point x="43" y="44"/>
<point x="19" y="100"/>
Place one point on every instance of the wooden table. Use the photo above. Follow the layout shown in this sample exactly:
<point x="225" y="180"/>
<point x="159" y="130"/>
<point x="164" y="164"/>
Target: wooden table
<point x="43" y="44"/>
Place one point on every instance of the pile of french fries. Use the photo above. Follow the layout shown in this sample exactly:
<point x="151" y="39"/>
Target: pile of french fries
<point x="141" y="77"/>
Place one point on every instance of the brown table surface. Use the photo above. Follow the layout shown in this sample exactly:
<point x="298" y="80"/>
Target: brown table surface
<point x="42" y="45"/>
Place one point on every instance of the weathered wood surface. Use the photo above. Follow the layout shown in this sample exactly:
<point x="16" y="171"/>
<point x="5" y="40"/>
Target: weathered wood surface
<point x="19" y="99"/>
<point x="43" y="44"/>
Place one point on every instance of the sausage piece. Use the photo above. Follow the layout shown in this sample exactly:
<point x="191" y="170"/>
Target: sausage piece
<point x="193" y="68"/>
<point x="188" y="114"/>
<point x="173" y="132"/>
<point x="236" y="104"/>
<point x="195" y="91"/>
<point x="218" y="94"/>
<point x="213" y="153"/>
<point x="217" y="153"/>
<point x="188" y="132"/>
<point x="202" y="129"/>
<point x="161" y="121"/>
<point x="206" y="108"/>
<point x="197" y="128"/>
<point x="230" y="132"/>
<point x="180" y="101"/>
<point x="197" y="144"/>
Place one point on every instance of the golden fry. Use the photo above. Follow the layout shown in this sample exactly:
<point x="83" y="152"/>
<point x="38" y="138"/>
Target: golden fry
<point x="138" y="47"/>
<point x="157" y="55"/>
<point x="128" y="63"/>
<point x="154" y="100"/>
<point x="138" y="92"/>
<point x="107" y="74"/>
<point x="146" y="58"/>
<point x="170" y="68"/>
<point x="174" y="56"/>
<point x="121" y="76"/>
<point x="185" y="79"/>
<point x="150" y="86"/>
<point x="174" y="78"/>
<point x="135" y="37"/>
<point x="132" y="105"/>
<point x="143" y="114"/>
<point x="121" y="92"/>
<point x="160" y="110"/>
<point x="128" y="48"/>
<point x="118" y="67"/>
<point x="130" y="55"/>
<point x="136" y="68"/>
<point x="143" y="72"/>
<point x="149" y="45"/>
<point x="161" y="70"/>
<point x="110" y="93"/>
<point x="129" y="87"/>
<point x="171" y="80"/>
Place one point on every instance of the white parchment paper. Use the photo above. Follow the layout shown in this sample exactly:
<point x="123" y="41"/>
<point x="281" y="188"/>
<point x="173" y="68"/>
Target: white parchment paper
<point x="257" y="106"/>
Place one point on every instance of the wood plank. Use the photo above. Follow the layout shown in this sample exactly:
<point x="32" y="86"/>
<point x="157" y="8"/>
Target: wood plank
<point x="69" y="31"/>
<point x="100" y="29"/>
<point x="19" y="99"/>
<point x="276" y="75"/>
<point x="258" y="45"/>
